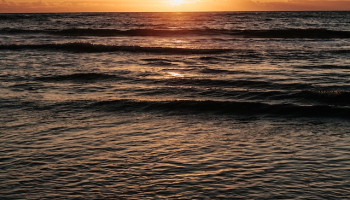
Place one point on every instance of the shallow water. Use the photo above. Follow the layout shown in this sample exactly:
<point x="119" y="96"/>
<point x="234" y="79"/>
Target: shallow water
<point x="175" y="105"/>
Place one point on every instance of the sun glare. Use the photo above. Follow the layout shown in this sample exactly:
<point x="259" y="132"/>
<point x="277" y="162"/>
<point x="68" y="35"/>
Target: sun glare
<point x="176" y="2"/>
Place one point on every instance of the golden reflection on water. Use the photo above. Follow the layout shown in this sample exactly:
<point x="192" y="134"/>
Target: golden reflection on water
<point x="175" y="74"/>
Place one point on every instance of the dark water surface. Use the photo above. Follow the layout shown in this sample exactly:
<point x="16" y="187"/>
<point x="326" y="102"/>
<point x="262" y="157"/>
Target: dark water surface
<point x="244" y="105"/>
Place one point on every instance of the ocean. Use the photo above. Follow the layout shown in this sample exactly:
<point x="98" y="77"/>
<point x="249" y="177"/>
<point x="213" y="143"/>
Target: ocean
<point x="226" y="105"/>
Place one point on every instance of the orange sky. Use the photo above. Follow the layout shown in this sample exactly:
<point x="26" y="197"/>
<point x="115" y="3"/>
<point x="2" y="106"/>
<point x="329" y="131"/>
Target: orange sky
<point x="10" y="6"/>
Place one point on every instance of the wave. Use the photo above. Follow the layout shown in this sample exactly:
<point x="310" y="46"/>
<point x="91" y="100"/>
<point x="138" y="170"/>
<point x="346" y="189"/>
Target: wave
<point x="25" y="16"/>
<point x="187" y="107"/>
<point x="81" y="77"/>
<point x="222" y="107"/>
<point x="270" y="33"/>
<point x="312" y="67"/>
<point x="233" y="83"/>
<point x="21" y="31"/>
<point x="330" y="97"/>
<point x="81" y="47"/>
<point x="204" y="82"/>
<point x="340" y="51"/>
<point x="335" y="98"/>
<point x="294" y="33"/>
<point x="285" y="92"/>
<point x="300" y="92"/>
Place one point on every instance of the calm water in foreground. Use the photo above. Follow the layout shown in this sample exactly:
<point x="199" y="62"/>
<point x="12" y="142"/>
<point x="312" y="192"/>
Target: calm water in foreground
<point x="246" y="105"/>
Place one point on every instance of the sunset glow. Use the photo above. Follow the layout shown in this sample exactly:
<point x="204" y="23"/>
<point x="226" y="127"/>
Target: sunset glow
<point x="13" y="6"/>
<point x="176" y="2"/>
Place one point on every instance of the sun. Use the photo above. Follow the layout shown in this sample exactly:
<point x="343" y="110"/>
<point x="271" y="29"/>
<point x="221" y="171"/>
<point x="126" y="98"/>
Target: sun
<point x="176" y="2"/>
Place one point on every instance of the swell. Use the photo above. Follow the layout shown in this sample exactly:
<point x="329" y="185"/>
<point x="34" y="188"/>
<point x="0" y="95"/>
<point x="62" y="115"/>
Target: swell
<point x="81" y="47"/>
<point x="322" y="66"/>
<point x="81" y="77"/>
<point x="332" y="97"/>
<point x="267" y="90"/>
<point x="191" y="107"/>
<point x="320" y="97"/>
<point x="269" y="33"/>
<point x="294" y="33"/>
<point x="222" y="107"/>
<point x="340" y="51"/>
<point x="233" y="83"/>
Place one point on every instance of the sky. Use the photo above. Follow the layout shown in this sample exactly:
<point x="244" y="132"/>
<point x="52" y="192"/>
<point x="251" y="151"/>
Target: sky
<point x="25" y="6"/>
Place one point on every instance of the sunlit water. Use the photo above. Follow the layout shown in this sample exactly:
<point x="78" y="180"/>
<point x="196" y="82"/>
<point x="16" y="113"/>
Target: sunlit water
<point x="175" y="105"/>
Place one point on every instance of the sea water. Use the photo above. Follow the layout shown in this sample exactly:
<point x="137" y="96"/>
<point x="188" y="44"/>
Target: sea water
<point x="229" y="105"/>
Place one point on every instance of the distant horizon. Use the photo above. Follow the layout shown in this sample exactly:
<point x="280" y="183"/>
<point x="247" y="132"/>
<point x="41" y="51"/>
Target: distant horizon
<point x="78" y="6"/>
<point x="175" y="11"/>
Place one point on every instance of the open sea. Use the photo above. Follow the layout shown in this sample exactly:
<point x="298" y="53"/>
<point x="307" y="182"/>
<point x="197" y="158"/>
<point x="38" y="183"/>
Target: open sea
<point x="228" y="105"/>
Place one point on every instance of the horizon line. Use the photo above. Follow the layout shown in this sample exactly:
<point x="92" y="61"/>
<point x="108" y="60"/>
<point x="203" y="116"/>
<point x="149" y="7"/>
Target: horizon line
<point x="63" y="12"/>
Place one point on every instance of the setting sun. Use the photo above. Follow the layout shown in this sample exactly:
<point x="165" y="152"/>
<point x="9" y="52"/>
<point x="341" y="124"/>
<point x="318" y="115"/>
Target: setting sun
<point x="176" y="2"/>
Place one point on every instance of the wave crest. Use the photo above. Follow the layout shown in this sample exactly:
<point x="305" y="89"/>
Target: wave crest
<point x="82" y="47"/>
<point x="223" y="107"/>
